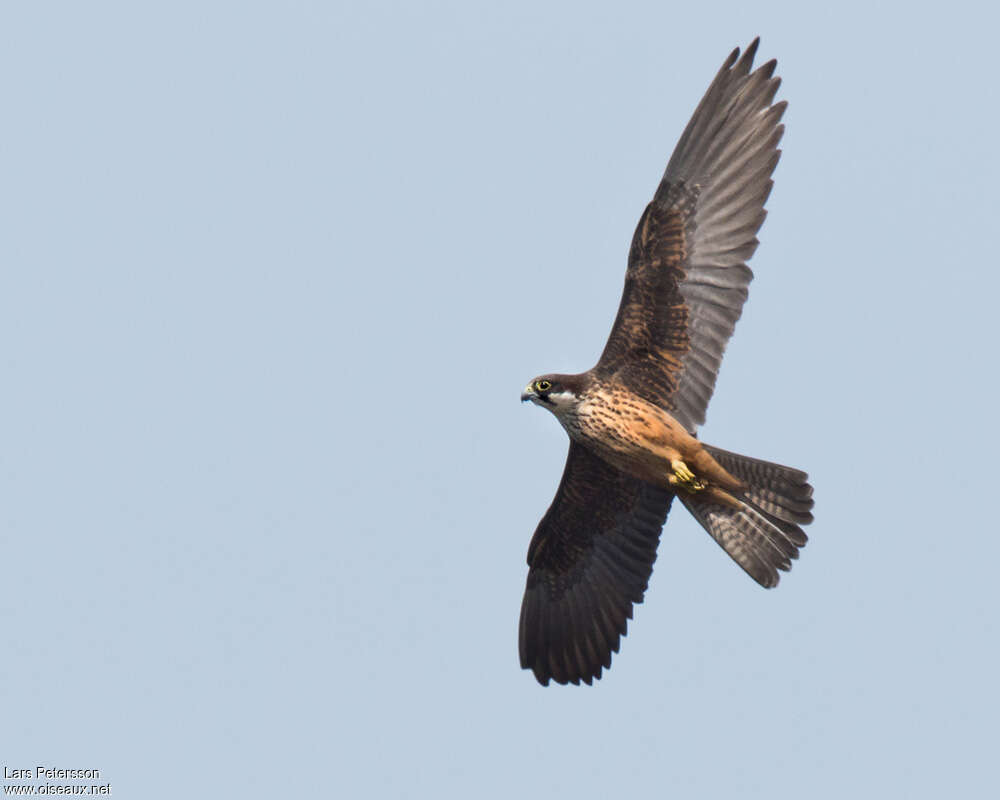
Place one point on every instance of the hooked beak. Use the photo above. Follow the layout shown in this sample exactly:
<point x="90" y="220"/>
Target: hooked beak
<point x="527" y="394"/>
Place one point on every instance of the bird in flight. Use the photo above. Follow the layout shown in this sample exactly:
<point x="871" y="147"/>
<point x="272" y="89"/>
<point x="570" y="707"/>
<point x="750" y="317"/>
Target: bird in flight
<point x="632" y="419"/>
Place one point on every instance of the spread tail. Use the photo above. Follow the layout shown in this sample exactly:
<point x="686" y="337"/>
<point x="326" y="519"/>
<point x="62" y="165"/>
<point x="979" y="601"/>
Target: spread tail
<point x="761" y="530"/>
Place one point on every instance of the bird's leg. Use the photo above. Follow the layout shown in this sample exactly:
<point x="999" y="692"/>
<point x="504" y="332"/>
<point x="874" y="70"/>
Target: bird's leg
<point x="681" y="471"/>
<point x="683" y="477"/>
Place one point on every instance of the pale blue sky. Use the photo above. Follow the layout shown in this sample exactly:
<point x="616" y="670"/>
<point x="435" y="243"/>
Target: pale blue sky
<point x="273" y="277"/>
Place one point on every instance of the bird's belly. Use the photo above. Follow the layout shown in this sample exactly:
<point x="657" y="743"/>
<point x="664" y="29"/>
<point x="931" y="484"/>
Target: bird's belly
<point x="649" y="466"/>
<point x="639" y="441"/>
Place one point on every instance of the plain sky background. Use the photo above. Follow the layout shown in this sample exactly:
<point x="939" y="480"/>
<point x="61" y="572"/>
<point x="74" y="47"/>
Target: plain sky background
<point x="273" y="276"/>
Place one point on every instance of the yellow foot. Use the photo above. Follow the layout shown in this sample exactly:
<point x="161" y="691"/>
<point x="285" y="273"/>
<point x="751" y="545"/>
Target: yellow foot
<point x="684" y="477"/>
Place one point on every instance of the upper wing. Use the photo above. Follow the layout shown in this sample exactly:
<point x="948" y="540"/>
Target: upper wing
<point x="590" y="558"/>
<point x="687" y="276"/>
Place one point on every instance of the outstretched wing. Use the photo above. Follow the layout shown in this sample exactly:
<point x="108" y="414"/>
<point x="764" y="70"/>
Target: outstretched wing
<point x="687" y="276"/>
<point x="590" y="558"/>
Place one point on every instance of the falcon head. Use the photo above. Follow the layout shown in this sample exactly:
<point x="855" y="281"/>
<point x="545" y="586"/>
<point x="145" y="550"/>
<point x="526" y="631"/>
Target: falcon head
<point x="557" y="393"/>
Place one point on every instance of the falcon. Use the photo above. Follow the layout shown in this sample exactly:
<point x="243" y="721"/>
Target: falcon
<point x="632" y="420"/>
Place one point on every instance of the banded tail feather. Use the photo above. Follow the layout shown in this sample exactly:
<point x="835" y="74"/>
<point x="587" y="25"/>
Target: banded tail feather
<point x="762" y="533"/>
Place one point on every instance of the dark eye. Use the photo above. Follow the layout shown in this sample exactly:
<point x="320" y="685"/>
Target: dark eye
<point x="543" y="386"/>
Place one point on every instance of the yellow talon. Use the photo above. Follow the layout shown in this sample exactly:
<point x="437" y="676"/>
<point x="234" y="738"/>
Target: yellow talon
<point x="681" y="471"/>
<point x="684" y="477"/>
